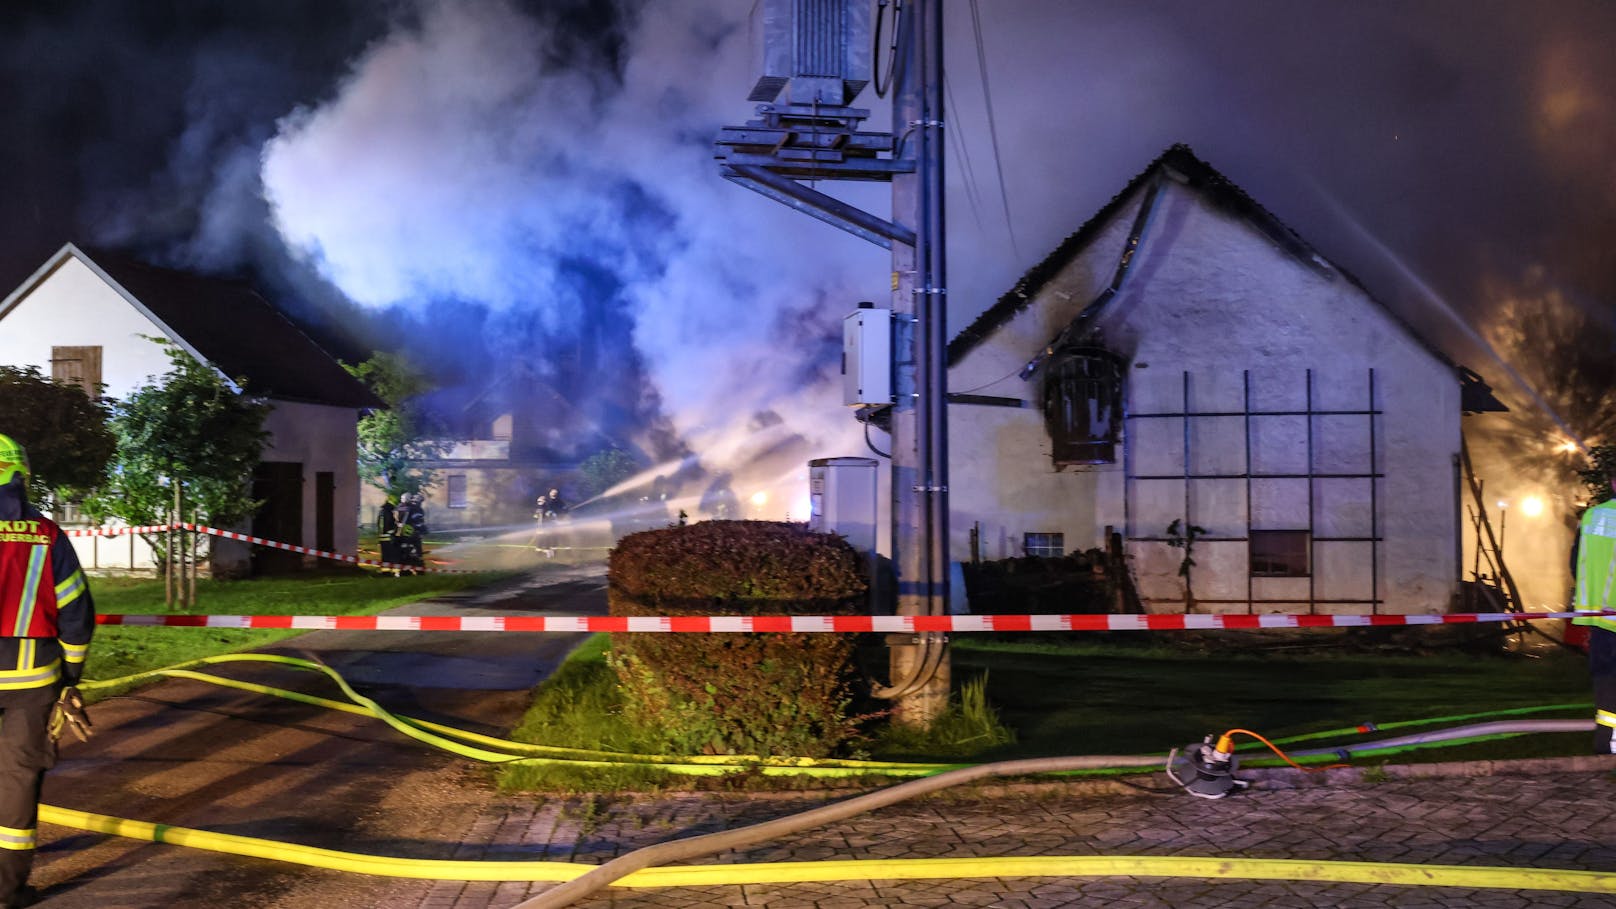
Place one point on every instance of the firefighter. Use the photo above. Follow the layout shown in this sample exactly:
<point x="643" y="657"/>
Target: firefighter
<point x="387" y="530"/>
<point x="46" y="619"/>
<point x="551" y="508"/>
<point x="412" y="529"/>
<point x="1596" y="570"/>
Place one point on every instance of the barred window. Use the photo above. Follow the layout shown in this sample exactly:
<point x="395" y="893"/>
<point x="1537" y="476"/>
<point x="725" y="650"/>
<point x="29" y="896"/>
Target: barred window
<point x="1280" y="554"/>
<point x="1047" y="545"/>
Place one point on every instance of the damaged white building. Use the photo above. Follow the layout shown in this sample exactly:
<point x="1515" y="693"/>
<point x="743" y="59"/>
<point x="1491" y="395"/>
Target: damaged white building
<point x="1185" y="357"/>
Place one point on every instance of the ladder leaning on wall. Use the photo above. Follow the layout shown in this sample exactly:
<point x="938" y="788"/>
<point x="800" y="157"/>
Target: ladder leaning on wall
<point x="1491" y="587"/>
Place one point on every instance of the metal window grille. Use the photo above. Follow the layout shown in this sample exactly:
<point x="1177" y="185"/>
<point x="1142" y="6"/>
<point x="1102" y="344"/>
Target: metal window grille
<point x="1372" y="478"/>
<point x="1045" y="545"/>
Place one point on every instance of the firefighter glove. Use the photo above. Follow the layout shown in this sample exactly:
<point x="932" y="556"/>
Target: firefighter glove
<point x="69" y="713"/>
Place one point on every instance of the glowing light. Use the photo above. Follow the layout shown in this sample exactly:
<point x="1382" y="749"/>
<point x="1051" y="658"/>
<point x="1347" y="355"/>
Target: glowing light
<point x="1502" y="504"/>
<point x="760" y="498"/>
<point x="1567" y="447"/>
<point x="1531" y="506"/>
<point x="804" y="508"/>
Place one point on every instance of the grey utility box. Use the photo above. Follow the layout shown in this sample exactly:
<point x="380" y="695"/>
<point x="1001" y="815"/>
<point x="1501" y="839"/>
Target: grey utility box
<point x="867" y="357"/>
<point x="842" y="499"/>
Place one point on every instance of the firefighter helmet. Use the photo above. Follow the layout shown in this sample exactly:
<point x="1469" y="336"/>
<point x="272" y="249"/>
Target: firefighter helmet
<point x="13" y="460"/>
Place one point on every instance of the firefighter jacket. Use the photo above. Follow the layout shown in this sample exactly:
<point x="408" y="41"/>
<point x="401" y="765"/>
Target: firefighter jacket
<point x="1596" y="564"/>
<point x="411" y="521"/>
<point x="46" y="614"/>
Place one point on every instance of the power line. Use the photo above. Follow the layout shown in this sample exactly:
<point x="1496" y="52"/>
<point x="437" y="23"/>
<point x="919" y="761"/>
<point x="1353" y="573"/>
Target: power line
<point x="967" y="171"/>
<point x="993" y="131"/>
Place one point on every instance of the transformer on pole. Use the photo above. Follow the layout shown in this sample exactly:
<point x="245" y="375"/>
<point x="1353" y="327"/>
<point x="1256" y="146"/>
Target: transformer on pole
<point x="816" y="60"/>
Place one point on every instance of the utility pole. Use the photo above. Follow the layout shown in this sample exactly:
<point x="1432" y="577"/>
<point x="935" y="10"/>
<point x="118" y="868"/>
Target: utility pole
<point x="816" y="54"/>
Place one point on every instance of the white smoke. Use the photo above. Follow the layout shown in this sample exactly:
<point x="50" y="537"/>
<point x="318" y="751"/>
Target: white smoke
<point x="454" y="163"/>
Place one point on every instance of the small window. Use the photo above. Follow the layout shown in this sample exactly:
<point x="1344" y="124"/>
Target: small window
<point x="79" y="366"/>
<point x="1280" y="554"/>
<point x="457" y="491"/>
<point x="1046" y="545"/>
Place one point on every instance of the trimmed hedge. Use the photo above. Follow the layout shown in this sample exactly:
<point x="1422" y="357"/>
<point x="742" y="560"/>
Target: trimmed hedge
<point x="771" y="694"/>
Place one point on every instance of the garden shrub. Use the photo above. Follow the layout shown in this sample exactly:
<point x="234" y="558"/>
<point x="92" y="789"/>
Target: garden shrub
<point x="771" y="694"/>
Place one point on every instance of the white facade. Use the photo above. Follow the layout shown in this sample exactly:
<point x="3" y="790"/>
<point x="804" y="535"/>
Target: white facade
<point x="73" y="305"/>
<point x="72" y="302"/>
<point x="1217" y="320"/>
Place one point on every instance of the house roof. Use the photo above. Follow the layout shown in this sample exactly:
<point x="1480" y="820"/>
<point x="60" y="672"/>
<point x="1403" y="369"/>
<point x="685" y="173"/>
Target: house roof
<point x="227" y="324"/>
<point x="1186" y="168"/>
<point x="1181" y="164"/>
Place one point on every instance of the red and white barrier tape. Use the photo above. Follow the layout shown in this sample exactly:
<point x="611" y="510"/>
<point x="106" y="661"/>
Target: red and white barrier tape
<point x="259" y="541"/>
<point x="116" y="531"/>
<point x="889" y="624"/>
<point x="289" y="547"/>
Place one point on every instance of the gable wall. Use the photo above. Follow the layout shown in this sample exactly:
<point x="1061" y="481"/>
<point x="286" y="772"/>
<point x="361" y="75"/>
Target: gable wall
<point x="1211" y="295"/>
<point x="73" y="307"/>
<point x="1226" y="301"/>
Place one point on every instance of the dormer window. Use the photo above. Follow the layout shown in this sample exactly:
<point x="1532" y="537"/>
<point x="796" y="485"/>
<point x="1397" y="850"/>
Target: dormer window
<point x="1083" y="405"/>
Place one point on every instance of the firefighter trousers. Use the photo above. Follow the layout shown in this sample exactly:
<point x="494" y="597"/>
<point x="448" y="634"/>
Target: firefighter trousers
<point x="1602" y="667"/>
<point x="26" y="752"/>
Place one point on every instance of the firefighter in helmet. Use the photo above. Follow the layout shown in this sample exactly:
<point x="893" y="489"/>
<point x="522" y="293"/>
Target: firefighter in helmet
<point x="412" y="529"/>
<point x="1596" y="571"/>
<point x="46" y="619"/>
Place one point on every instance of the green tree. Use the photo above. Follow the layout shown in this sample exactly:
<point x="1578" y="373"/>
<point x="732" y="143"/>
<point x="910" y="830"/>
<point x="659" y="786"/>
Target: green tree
<point x="1601" y="466"/>
<point x="393" y="442"/>
<point x="606" y="468"/>
<point x="188" y="425"/>
<point x="64" y="430"/>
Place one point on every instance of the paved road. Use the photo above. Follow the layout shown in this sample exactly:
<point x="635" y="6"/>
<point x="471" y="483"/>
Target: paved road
<point x="1553" y="816"/>
<point x="195" y="755"/>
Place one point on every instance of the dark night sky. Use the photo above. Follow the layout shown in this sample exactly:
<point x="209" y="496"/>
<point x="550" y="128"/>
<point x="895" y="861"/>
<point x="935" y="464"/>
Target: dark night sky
<point x="548" y="163"/>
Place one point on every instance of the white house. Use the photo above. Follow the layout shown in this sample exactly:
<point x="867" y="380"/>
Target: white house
<point x="93" y="317"/>
<point x="1186" y="357"/>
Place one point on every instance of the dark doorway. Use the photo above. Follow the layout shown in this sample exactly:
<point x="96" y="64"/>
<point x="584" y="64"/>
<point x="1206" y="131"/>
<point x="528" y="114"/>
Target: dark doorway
<point x="325" y="511"/>
<point x="279" y="485"/>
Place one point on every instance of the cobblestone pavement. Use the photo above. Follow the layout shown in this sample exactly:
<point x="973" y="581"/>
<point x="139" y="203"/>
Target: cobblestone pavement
<point x="1563" y="820"/>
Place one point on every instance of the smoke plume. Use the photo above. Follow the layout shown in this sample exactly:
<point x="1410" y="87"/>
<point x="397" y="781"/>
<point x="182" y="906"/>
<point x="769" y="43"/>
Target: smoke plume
<point x="459" y="161"/>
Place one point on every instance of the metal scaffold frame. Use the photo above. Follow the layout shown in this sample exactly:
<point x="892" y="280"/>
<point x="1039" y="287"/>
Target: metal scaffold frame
<point x="1373" y="477"/>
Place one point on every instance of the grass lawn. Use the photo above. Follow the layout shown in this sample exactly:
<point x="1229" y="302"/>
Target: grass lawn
<point x="1073" y="695"/>
<point x="122" y="650"/>
<point x="1080" y="698"/>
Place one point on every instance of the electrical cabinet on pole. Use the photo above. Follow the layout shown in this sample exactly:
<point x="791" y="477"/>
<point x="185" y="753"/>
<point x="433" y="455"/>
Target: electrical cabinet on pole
<point x="816" y="62"/>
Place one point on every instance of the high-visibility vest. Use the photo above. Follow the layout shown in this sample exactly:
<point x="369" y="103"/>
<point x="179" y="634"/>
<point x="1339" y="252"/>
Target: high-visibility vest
<point x="30" y="593"/>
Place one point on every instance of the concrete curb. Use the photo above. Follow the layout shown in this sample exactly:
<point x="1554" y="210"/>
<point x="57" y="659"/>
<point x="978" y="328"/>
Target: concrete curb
<point x="1274" y="778"/>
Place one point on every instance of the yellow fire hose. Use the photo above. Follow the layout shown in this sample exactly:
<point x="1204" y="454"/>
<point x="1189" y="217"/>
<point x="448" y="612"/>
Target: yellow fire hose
<point x="635" y="868"/>
<point x="1206" y="867"/>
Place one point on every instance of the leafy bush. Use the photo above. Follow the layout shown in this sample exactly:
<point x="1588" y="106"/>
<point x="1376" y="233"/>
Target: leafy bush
<point x="772" y="694"/>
